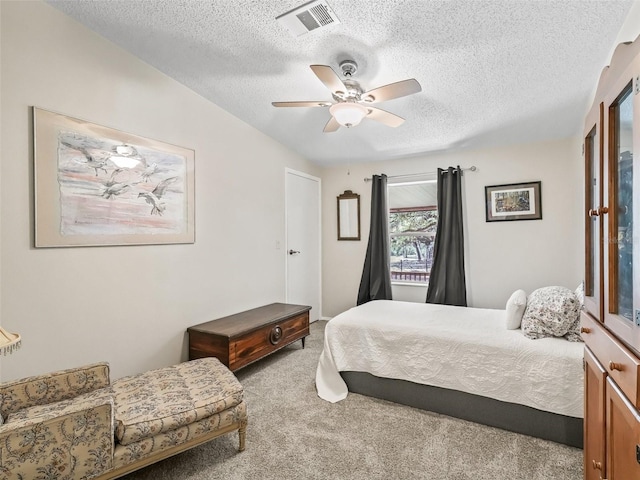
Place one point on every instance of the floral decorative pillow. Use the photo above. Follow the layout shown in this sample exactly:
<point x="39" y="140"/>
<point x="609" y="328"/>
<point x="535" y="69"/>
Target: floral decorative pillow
<point x="551" y="312"/>
<point x="573" y="335"/>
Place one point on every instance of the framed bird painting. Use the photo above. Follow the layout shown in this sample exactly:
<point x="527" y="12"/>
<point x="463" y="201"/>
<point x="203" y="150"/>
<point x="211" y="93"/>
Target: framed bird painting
<point x="95" y="185"/>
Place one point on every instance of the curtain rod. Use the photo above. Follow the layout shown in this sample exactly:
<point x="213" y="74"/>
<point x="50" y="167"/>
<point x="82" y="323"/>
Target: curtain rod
<point x="409" y="175"/>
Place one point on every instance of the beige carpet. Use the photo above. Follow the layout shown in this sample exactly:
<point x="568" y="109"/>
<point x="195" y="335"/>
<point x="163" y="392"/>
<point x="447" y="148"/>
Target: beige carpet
<point x="293" y="434"/>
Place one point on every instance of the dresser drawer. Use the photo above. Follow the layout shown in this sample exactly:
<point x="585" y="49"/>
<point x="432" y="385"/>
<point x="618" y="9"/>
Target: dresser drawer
<point x="621" y="365"/>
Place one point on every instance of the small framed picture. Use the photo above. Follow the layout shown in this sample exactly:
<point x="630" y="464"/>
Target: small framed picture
<point x="514" y="201"/>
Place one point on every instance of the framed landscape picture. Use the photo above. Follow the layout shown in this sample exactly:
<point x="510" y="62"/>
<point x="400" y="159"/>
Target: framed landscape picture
<point x="515" y="201"/>
<point x="95" y="185"/>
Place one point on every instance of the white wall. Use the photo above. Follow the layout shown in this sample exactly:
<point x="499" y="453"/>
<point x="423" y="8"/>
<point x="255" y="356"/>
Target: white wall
<point x="630" y="28"/>
<point x="500" y="257"/>
<point x="128" y="305"/>
<point x="629" y="31"/>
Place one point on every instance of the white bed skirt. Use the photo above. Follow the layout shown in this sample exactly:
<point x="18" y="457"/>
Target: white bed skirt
<point x="460" y="348"/>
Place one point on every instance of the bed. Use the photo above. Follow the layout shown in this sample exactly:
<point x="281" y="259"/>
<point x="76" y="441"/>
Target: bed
<point x="457" y="361"/>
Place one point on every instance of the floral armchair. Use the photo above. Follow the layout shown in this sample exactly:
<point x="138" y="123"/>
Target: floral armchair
<point x="76" y="424"/>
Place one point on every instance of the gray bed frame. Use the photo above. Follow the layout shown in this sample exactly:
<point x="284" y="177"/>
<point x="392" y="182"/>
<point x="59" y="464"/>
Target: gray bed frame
<point x="475" y="408"/>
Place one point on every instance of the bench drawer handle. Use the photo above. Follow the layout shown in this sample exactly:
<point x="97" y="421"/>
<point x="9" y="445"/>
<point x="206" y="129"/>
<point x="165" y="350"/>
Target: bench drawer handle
<point x="276" y="335"/>
<point x="585" y="330"/>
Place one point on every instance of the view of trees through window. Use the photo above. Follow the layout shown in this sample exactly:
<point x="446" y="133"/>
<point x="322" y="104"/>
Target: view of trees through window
<point x="412" y="231"/>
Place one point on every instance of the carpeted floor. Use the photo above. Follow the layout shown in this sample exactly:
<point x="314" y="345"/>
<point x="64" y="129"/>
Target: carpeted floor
<point x="293" y="434"/>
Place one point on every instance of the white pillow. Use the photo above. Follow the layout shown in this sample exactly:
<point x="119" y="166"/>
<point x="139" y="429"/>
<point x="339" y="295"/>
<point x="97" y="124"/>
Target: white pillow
<point x="579" y="292"/>
<point x="550" y="312"/>
<point x="515" y="309"/>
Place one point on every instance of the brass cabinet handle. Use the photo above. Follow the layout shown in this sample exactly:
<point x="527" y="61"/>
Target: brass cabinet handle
<point x="585" y="330"/>
<point x="616" y="366"/>
<point x="596" y="212"/>
<point x="597" y="465"/>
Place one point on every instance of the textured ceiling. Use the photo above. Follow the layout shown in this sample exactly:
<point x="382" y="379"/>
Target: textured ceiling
<point x="492" y="71"/>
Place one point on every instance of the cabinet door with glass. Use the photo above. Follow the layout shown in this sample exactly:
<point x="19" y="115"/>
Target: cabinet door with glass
<point x="622" y="305"/>
<point x="594" y="213"/>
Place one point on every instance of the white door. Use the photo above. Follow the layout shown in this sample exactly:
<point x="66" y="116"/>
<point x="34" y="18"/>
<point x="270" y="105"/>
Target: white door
<point x="302" y="199"/>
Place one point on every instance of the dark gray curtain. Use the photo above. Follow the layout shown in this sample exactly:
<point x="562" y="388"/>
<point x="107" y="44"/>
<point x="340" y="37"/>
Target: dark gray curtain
<point x="446" y="282"/>
<point x="376" y="274"/>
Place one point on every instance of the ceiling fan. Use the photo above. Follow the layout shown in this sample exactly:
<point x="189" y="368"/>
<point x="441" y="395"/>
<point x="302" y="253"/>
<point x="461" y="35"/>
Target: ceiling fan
<point x="352" y="103"/>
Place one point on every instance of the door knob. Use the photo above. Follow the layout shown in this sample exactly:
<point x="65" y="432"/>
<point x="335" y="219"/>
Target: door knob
<point x="293" y="252"/>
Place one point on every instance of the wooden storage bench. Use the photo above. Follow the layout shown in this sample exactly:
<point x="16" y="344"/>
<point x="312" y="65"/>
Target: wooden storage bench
<point x="243" y="338"/>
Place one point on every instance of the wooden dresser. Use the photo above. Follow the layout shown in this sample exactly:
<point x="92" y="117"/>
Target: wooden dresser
<point x="243" y="338"/>
<point x="610" y="323"/>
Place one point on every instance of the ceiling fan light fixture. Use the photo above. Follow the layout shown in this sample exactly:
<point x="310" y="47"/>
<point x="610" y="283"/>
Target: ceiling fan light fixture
<point x="348" y="114"/>
<point x="352" y="103"/>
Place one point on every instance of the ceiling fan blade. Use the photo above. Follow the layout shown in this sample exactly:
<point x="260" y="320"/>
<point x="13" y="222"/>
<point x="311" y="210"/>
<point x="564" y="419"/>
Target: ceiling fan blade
<point x="391" y="91"/>
<point x="301" y="104"/>
<point x="329" y="77"/>
<point x="389" y="119"/>
<point x="331" y="126"/>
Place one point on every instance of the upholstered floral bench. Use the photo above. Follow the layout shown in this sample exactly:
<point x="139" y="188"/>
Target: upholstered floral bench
<point x="76" y="424"/>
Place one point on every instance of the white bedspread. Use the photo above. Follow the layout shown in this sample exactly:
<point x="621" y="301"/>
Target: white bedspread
<point x="466" y="349"/>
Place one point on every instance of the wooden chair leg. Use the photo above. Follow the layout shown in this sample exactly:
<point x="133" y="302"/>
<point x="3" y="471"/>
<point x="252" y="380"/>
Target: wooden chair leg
<point x="242" y="435"/>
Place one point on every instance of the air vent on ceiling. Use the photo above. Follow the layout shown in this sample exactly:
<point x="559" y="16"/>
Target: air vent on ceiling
<point x="308" y="17"/>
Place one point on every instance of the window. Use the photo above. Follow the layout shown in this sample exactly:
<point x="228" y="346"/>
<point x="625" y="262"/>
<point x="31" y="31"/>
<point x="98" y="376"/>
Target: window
<point x="413" y="219"/>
